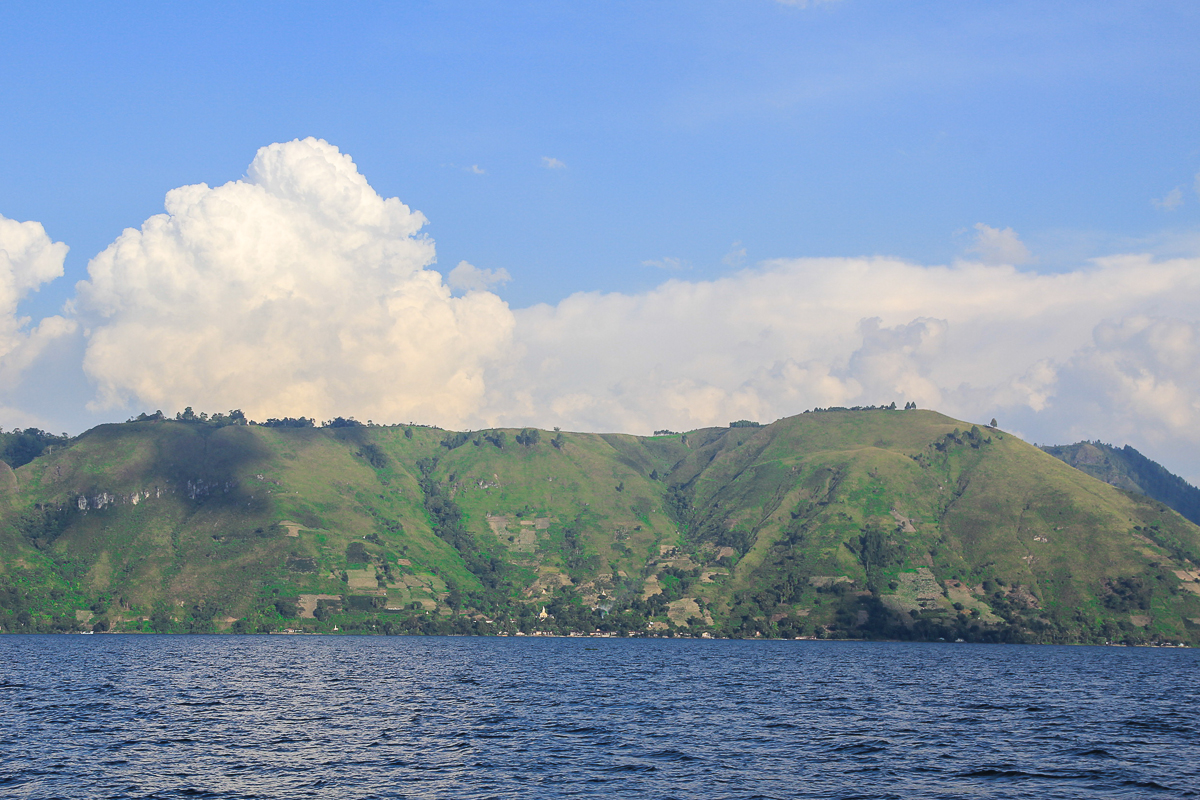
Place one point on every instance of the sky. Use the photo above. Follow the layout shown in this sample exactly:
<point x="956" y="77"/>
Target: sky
<point x="605" y="216"/>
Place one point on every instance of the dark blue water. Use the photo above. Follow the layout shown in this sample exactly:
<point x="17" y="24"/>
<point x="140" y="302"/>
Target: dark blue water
<point x="350" y="717"/>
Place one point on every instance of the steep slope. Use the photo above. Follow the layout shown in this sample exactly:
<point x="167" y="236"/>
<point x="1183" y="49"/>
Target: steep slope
<point x="939" y="529"/>
<point x="903" y="524"/>
<point x="1128" y="469"/>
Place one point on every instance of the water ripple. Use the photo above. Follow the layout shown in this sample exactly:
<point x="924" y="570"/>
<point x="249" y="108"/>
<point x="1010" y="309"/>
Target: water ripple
<point x="117" y="717"/>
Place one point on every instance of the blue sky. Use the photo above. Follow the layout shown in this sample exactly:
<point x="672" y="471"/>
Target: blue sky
<point x="609" y="147"/>
<point x="842" y="129"/>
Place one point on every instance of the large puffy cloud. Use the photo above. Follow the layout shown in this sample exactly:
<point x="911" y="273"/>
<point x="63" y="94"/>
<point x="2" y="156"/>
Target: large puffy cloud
<point x="296" y="291"/>
<point x="28" y="259"/>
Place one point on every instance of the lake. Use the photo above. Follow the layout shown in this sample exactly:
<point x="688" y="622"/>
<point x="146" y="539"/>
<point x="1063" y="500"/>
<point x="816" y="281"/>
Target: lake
<point x="382" y="717"/>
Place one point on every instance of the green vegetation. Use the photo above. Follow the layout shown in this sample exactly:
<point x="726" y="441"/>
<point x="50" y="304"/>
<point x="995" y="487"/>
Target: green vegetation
<point x="849" y="523"/>
<point x="1128" y="469"/>
<point x="19" y="447"/>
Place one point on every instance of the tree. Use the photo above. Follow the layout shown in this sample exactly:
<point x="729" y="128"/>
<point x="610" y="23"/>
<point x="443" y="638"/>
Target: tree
<point x="287" y="607"/>
<point x="993" y="423"/>
<point x="289" y="422"/>
<point x="357" y="553"/>
<point x="19" y="447"/>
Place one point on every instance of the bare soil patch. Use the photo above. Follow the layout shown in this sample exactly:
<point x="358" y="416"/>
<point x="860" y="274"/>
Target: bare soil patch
<point x="917" y="590"/>
<point x="906" y="524"/>
<point x="308" y="603"/>
<point x="679" y="611"/>
<point x="825" y="581"/>
<point x="498" y="524"/>
<point x="362" y="579"/>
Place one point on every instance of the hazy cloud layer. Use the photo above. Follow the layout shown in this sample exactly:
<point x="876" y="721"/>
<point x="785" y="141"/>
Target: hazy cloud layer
<point x="1170" y="201"/>
<point x="1138" y="381"/>
<point x="1106" y="351"/>
<point x="28" y="259"/>
<point x="668" y="263"/>
<point x="298" y="290"/>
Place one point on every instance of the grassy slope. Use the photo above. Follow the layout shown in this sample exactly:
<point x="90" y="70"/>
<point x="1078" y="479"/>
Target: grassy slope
<point x="995" y="509"/>
<point x="884" y="523"/>
<point x="1128" y="469"/>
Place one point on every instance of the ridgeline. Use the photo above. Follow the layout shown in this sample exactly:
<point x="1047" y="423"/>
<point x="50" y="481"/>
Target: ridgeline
<point x="872" y="523"/>
<point x="1128" y="469"/>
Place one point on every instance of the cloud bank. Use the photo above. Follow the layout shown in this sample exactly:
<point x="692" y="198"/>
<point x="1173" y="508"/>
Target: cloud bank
<point x="1102" y="351"/>
<point x="300" y="291"/>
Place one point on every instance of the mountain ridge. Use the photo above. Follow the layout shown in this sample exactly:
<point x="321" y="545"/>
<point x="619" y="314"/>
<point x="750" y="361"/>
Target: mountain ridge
<point x="1126" y="468"/>
<point x="873" y="523"/>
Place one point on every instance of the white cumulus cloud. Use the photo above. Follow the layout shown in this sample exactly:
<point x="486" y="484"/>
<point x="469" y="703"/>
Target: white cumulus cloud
<point x="297" y="291"/>
<point x="467" y="277"/>
<point x="999" y="246"/>
<point x="28" y="259"/>
<point x="552" y="163"/>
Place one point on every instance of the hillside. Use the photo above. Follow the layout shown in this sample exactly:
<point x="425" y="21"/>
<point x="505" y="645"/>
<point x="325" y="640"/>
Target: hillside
<point x="1128" y="469"/>
<point x="847" y="523"/>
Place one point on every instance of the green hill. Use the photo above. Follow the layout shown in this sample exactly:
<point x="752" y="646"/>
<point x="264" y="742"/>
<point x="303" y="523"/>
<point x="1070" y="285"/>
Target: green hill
<point x="1128" y="469"/>
<point x="848" y="523"/>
